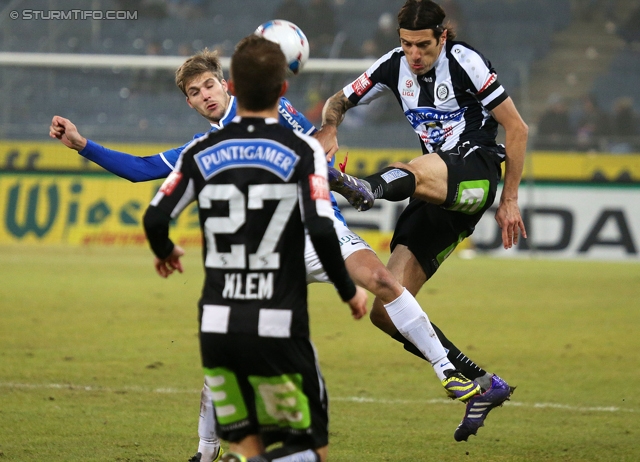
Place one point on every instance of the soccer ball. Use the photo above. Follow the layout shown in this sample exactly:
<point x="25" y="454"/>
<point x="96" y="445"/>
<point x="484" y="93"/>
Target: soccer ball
<point x="292" y="41"/>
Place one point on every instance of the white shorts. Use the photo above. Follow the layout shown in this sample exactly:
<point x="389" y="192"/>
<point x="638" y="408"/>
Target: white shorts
<point x="350" y="242"/>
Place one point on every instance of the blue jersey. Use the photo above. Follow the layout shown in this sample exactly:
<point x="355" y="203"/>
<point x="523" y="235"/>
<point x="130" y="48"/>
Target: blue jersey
<point x="134" y="168"/>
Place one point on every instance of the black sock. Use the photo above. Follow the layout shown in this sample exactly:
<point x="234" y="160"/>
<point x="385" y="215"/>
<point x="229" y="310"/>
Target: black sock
<point x="392" y="184"/>
<point x="463" y="364"/>
<point x="468" y="368"/>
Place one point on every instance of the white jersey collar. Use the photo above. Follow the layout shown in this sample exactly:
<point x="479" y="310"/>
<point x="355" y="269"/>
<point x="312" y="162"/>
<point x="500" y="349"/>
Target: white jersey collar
<point x="229" y="114"/>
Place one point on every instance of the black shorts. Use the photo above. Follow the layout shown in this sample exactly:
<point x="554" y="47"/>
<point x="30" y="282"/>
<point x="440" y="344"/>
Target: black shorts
<point x="270" y="387"/>
<point x="432" y="232"/>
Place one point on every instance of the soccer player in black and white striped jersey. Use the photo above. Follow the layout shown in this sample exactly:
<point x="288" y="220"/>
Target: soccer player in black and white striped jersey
<point x="451" y="96"/>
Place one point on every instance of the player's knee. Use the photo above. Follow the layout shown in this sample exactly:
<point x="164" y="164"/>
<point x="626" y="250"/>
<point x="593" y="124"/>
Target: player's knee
<point x="381" y="319"/>
<point x="384" y="285"/>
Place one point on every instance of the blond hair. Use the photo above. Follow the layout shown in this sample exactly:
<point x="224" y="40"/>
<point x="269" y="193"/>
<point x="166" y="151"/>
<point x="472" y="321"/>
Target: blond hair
<point x="198" y="64"/>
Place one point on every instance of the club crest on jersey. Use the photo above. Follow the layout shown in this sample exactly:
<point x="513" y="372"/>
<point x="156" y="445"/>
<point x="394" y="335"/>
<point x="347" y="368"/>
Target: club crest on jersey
<point x="170" y="183"/>
<point x="319" y="187"/>
<point x="362" y="84"/>
<point x="442" y="91"/>
<point x="257" y="153"/>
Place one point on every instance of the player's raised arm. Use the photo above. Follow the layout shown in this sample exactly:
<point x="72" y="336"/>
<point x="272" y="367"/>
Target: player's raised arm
<point x="332" y="115"/>
<point x="127" y="166"/>
<point x="65" y="131"/>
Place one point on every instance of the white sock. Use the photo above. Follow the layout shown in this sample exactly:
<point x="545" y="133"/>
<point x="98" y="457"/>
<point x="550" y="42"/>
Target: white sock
<point x="209" y="443"/>
<point x="414" y="325"/>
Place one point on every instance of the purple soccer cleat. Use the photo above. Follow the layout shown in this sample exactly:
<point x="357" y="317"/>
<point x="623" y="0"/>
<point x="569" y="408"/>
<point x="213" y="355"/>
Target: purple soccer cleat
<point x="356" y="191"/>
<point x="478" y="407"/>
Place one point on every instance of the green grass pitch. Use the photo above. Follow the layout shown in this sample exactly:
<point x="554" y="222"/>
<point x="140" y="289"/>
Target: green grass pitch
<point x="99" y="361"/>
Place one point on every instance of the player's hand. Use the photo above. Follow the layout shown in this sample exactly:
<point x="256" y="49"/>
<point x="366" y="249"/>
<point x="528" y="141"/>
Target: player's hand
<point x="358" y="303"/>
<point x="165" y="267"/>
<point x="510" y="221"/>
<point x="328" y="138"/>
<point x="65" y="131"/>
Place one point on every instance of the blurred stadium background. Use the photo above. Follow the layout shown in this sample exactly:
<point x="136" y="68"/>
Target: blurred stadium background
<point x="572" y="68"/>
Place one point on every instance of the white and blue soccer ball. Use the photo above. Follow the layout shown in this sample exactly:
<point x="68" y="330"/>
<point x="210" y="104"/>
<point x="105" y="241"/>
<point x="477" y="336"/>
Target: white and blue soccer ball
<point x="292" y="41"/>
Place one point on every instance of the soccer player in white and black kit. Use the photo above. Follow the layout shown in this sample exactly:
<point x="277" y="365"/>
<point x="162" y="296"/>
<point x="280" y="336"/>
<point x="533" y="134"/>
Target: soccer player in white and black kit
<point x="201" y="80"/>
<point x="258" y="185"/>
<point x="451" y="96"/>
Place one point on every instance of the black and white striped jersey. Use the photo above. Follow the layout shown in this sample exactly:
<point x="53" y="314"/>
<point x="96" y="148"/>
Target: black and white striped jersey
<point x="255" y="182"/>
<point x="448" y="105"/>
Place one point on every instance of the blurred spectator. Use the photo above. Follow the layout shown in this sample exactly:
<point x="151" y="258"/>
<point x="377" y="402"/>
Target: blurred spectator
<point x="153" y="81"/>
<point x="294" y="11"/>
<point x="455" y="17"/>
<point x="630" y="29"/>
<point x="187" y="9"/>
<point x="147" y="9"/>
<point x="320" y="27"/>
<point x="554" y="127"/>
<point x="384" y="39"/>
<point x="185" y="49"/>
<point x="624" y="126"/>
<point x="593" y="125"/>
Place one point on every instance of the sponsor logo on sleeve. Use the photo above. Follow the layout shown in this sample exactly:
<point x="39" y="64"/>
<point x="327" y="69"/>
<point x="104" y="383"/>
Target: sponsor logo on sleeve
<point x="319" y="187"/>
<point x="492" y="78"/>
<point x="290" y="108"/>
<point x="170" y="183"/>
<point x="362" y="84"/>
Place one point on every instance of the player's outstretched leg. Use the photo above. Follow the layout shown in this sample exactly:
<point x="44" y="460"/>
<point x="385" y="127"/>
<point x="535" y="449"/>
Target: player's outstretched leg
<point x="355" y="190"/>
<point x="413" y="324"/>
<point x="478" y="407"/>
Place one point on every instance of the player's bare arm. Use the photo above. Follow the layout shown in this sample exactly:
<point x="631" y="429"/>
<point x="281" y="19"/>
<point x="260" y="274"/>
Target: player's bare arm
<point x="65" y="131"/>
<point x="508" y="213"/>
<point x="332" y="115"/>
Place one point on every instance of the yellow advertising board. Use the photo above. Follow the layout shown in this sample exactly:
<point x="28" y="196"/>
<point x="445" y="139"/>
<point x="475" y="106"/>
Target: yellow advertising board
<point x="81" y="210"/>
<point x="52" y="156"/>
<point x="50" y="194"/>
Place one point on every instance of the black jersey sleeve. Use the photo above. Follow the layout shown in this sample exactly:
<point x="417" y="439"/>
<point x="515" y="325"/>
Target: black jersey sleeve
<point x="156" y="227"/>
<point x="174" y="195"/>
<point x="317" y="212"/>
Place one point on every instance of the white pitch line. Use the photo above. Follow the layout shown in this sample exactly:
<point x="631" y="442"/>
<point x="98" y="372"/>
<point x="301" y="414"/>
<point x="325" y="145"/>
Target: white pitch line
<point x="567" y="407"/>
<point x="352" y="399"/>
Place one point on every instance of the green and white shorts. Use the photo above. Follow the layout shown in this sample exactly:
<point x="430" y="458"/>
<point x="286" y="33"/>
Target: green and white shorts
<point x="432" y="232"/>
<point x="270" y="387"/>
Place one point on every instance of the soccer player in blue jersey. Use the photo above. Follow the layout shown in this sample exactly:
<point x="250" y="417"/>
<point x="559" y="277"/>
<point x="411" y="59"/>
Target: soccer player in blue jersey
<point x="451" y="96"/>
<point x="201" y="80"/>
